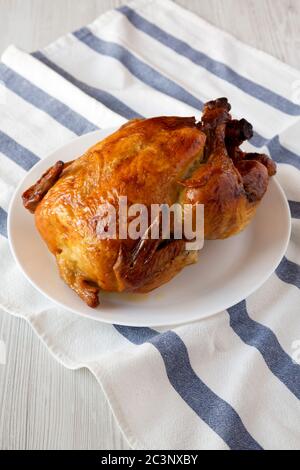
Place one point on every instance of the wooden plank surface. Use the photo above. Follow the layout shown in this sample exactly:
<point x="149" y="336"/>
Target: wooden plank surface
<point x="44" y="405"/>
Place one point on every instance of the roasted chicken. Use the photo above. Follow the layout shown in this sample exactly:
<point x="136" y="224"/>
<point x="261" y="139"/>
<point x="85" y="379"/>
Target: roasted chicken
<point x="161" y="160"/>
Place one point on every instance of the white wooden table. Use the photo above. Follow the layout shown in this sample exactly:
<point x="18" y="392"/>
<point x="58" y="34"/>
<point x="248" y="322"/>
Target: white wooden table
<point x="42" y="404"/>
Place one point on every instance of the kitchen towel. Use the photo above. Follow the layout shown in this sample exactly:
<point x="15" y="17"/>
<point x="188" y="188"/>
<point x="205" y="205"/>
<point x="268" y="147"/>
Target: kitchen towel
<point x="231" y="381"/>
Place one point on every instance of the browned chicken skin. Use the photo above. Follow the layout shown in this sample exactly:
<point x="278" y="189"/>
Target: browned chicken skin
<point x="160" y="160"/>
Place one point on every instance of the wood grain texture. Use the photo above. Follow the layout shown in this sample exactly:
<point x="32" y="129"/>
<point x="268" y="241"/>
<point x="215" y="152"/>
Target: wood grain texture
<point x="43" y="405"/>
<point x="270" y="25"/>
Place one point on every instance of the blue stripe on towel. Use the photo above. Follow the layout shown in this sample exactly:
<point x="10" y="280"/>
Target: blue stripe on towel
<point x="102" y="96"/>
<point x="281" y="154"/>
<point x="16" y="152"/>
<point x="135" y="334"/>
<point x="289" y="272"/>
<point x="152" y="78"/>
<point x="137" y="67"/>
<point x="213" y="66"/>
<point x="213" y="410"/>
<point x="39" y="98"/>
<point x="3" y="222"/>
<point x="295" y="209"/>
<point x="264" y="340"/>
<point x="257" y="140"/>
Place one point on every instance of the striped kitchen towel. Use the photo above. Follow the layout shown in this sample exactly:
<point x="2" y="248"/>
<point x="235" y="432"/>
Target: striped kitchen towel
<point x="231" y="381"/>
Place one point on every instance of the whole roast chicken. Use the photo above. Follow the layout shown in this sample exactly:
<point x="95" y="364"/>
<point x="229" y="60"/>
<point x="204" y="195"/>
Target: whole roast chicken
<point x="160" y="160"/>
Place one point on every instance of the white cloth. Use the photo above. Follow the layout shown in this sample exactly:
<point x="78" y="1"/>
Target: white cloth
<point x="232" y="380"/>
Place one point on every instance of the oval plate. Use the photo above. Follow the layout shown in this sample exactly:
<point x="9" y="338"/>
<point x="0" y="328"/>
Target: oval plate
<point x="227" y="272"/>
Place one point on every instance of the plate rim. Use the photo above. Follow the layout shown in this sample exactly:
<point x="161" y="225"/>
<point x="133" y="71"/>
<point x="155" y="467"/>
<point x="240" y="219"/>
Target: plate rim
<point x="263" y="279"/>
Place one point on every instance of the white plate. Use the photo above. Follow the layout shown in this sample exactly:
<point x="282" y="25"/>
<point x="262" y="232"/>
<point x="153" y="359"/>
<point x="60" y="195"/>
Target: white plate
<point x="227" y="271"/>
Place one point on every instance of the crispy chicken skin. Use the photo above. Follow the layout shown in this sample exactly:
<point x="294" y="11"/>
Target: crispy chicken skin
<point x="230" y="183"/>
<point x="150" y="161"/>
